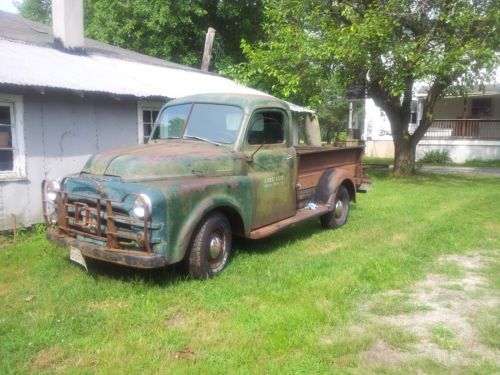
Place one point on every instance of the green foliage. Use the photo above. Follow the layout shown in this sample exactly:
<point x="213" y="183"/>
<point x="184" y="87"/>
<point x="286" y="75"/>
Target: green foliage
<point x="168" y="29"/>
<point x="436" y="157"/>
<point x="314" y="46"/>
<point x="36" y="10"/>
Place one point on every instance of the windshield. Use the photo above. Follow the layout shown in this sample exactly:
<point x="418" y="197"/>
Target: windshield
<point x="211" y="122"/>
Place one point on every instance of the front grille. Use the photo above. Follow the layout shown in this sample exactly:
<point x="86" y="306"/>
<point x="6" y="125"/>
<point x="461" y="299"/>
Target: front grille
<point x="99" y="218"/>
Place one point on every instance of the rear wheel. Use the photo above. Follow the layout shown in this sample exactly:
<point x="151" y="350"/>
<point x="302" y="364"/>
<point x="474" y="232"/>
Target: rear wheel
<point x="210" y="247"/>
<point x="338" y="217"/>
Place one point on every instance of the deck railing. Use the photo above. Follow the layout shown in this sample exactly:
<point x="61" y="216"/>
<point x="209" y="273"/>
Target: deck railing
<point x="464" y="129"/>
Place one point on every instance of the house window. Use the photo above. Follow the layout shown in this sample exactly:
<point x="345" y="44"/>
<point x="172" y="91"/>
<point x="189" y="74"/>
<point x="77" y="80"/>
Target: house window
<point x="6" y="149"/>
<point x="147" y="113"/>
<point x="413" y="106"/>
<point x="481" y="107"/>
<point x="11" y="140"/>
<point x="148" y="120"/>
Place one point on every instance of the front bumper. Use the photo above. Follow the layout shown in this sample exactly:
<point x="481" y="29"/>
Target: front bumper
<point x="126" y="258"/>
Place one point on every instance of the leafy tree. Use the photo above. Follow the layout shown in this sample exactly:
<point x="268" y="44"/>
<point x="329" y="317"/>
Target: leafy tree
<point x="168" y="29"/>
<point x="36" y="10"/>
<point x="387" y="46"/>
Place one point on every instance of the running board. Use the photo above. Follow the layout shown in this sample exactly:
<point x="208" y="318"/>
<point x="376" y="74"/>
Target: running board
<point x="300" y="216"/>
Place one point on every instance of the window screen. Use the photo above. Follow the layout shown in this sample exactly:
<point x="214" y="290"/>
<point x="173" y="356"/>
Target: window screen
<point x="6" y="148"/>
<point x="266" y="128"/>
<point x="481" y="107"/>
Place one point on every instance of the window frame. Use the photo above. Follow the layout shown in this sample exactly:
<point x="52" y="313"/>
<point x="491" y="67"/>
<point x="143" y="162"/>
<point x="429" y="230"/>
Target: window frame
<point x="15" y="103"/>
<point x="284" y="124"/>
<point x="145" y="105"/>
<point x="478" y="106"/>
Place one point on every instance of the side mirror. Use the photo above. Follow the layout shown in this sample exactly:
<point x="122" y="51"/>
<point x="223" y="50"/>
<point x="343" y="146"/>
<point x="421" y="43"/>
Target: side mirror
<point x="250" y="158"/>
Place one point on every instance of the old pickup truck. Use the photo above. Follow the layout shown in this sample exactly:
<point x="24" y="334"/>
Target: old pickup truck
<point x="215" y="166"/>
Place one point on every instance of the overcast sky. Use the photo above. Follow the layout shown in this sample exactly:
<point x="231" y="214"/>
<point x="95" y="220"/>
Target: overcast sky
<point x="8" y="5"/>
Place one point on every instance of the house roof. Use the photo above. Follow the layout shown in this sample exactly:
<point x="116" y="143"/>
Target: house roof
<point x="493" y="88"/>
<point x="29" y="58"/>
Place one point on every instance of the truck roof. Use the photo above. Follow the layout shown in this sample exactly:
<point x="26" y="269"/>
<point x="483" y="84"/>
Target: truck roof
<point x="248" y="102"/>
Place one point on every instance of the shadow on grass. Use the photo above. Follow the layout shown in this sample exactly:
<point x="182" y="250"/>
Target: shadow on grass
<point x="159" y="277"/>
<point x="177" y="272"/>
<point x="275" y="242"/>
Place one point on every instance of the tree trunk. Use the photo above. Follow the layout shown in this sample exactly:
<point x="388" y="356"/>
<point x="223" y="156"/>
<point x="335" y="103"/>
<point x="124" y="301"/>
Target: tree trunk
<point x="312" y="131"/>
<point x="404" y="156"/>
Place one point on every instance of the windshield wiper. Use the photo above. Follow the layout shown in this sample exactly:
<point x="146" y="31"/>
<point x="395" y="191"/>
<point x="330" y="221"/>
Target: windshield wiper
<point x="201" y="139"/>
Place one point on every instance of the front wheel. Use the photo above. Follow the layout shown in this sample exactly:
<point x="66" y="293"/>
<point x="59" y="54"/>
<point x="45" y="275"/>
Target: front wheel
<point x="338" y="217"/>
<point x="210" y="247"/>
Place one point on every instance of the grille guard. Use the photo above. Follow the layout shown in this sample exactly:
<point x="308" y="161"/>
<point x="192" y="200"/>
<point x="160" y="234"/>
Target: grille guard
<point x="91" y="218"/>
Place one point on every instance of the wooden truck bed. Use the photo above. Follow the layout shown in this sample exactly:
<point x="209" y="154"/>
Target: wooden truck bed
<point x="313" y="161"/>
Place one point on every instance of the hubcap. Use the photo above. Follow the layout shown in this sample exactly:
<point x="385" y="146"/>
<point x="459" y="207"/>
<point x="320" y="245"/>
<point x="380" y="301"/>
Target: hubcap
<point x="216" y="245"/>
<point x="339" y="208"/>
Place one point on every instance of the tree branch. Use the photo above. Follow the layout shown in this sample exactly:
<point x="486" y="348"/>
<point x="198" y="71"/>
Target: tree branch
<point x="434" y="92"/>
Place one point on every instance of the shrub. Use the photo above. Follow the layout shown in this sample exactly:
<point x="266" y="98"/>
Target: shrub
<point x="436" y="157"/>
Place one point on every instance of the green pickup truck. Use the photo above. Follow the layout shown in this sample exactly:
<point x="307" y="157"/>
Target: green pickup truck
<point x="215" y="166"/>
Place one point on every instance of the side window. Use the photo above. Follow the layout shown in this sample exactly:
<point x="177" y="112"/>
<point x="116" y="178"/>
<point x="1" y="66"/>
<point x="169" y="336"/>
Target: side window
<point x="12" y="154"/>
<point x="266" y="127"/>
<point x="6" y="144"/>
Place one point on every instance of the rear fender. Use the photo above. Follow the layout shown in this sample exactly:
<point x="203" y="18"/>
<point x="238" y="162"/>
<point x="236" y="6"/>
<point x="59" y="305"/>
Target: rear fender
<point x="329" y="183"/>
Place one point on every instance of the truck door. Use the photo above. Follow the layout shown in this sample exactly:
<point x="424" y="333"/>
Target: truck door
<point x="272" y="168"/>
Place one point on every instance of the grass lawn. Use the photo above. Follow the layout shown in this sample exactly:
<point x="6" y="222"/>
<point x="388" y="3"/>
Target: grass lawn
<point x="469" y="163"/>
<point x="289" y="304"/>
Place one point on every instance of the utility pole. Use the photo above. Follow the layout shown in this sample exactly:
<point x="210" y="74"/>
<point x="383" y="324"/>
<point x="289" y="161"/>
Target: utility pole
<point x="207" y="53"/>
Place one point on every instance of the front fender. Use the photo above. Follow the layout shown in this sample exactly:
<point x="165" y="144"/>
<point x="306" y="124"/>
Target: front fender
<point x="208" y="205"/>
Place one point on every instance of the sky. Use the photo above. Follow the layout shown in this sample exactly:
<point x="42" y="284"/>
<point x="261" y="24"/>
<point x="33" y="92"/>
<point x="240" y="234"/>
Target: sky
<point x="8" y="5"/>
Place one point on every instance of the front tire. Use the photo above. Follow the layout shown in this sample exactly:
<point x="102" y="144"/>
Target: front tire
<point x="210" y="247"/>
<point x="338" y="217"/>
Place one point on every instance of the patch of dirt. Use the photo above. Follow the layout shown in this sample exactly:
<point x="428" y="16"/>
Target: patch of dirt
<point x="316" y="250"/>
<point x="452" y="305"/>
<point x="174" y="321"/>
<point x="107" y="305"/>
<point x="398" y="238"/>
<point x="46" y="359"/>
<point x="383" y="354"/>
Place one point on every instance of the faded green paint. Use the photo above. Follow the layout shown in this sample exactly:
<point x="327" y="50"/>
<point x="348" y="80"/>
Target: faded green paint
<point x="185" y="179"/>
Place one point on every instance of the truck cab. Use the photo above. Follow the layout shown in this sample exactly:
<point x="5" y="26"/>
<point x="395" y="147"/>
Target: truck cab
<point x="215" y="166"/>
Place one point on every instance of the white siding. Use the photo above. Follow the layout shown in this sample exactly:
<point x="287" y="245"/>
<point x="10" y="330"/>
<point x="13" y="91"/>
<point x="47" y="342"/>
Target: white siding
<point x="61" y="131"/>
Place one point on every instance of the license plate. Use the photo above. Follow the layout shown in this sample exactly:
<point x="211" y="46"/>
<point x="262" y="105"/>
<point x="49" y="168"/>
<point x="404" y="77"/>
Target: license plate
<point x="76" y="256"/>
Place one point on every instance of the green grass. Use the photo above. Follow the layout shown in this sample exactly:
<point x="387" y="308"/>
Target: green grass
<point x="284" y="305"/>
<point x="369" y="160"/>
<point x="468" y="163"/>
<point x="444" y="337"/>
<point x="387" y="305"/>
<point x="482" y="163"/>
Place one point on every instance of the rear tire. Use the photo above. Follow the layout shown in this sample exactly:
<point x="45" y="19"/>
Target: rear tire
<point x="210" y="247"/>
<point x="338" y="217"/>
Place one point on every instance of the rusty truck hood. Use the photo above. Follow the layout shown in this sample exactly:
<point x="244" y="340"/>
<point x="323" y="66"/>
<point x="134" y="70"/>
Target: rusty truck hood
<point x="168" y="159"/>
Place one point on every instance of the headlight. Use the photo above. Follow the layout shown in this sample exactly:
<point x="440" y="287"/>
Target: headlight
<point x="51" y="191"/>
<point x="140" y="206"/>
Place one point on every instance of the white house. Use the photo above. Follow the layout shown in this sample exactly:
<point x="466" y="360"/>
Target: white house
<point x="468" y="127"/>
<point x="63" y="98"/>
